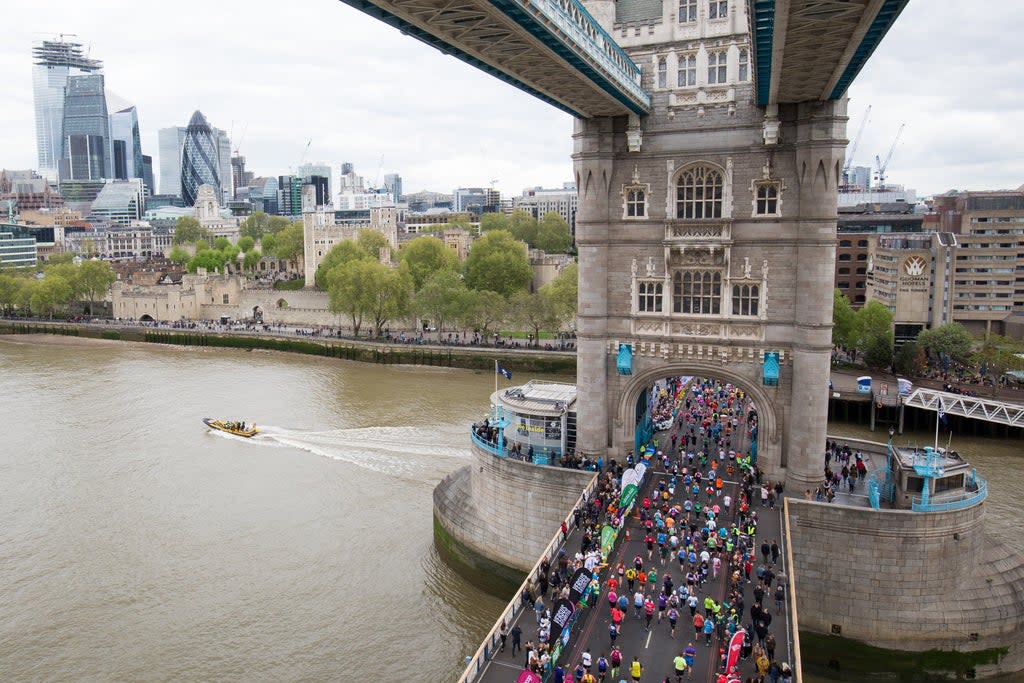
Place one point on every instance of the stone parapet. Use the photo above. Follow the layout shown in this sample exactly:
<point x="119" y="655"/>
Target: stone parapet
<point x="907" y="580"/>
<point x="506" y="510"/>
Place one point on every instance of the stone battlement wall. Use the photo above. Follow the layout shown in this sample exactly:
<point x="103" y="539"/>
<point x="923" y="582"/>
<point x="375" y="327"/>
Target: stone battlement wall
<point x="506" y="510"/>
<point x="908" y="580"/>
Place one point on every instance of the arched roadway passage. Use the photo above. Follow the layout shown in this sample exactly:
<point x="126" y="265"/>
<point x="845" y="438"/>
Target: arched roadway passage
<point x="769" y="408"/>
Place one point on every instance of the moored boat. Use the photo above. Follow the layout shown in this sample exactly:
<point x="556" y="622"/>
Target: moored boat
<point x="245" y="429"/>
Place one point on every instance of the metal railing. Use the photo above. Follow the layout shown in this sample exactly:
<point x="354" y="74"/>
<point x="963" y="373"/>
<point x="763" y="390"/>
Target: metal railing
<point x="573" y="20"/>
<point x="476" y="664"/>
<point x="967" y="499"/>
<point x="542" y="457"/>
<point x="1001" y="412"/>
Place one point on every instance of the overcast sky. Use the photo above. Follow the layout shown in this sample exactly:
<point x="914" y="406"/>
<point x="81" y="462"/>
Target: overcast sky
<point x="280" y="74"/>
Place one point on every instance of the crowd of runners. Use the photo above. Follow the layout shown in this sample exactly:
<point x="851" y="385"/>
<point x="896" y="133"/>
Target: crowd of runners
<point x="690" y="563"/>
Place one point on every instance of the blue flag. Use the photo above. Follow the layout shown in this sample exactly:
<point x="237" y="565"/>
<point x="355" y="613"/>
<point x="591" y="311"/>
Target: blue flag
<point x="942" y="411"/>
<point x="507" y="374"/>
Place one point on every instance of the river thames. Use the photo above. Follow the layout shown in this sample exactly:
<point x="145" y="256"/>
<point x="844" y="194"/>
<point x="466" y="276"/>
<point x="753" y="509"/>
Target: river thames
<point x="138" y="545"/>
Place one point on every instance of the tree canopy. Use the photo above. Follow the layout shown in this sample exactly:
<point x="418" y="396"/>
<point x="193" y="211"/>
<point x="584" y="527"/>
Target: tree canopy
<point x="341" y="253"/>
<point x="372" y="241"/>
<point x="187" y="230"/>
<point x="843" y="317"/>
<point x="523" y="226"/>
<point x="441" y="298"/>
<point x="497" y="262"/>
<point x="562" y="294"/>
<point x="951" y="340"/>
<point x="425" y="256"/>
<point x="94" y="279"/>
<point x="553" y="234"/>
<point x="873" y="334"/>
<point x="367" y="289"/>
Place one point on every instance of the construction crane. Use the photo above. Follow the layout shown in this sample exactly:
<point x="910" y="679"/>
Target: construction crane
<point x="853" y="147"/>
<point x="882" y="165"/>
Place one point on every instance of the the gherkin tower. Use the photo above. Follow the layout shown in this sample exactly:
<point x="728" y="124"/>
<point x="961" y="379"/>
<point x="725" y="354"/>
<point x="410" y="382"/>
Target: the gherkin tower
<point x="199" y="160"/>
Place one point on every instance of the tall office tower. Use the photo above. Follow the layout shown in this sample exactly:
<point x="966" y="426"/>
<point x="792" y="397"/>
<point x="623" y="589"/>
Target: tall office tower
<point x="393" y="184"/>
<point x="289" y="195"/>
<point x="170" y="141"/>
<point x="227" y="188"/>
<point x="200" y="159"/>
<point x="147" y="174"/>
<point x="54" y="63"/>
<point x="322" y="191"/>
<point x="269" y="194"/>
<point x="318" y="169"/>
<point x="85" y="130"/>
<point x="239" y="176"/>
<point x="125" y="140"/>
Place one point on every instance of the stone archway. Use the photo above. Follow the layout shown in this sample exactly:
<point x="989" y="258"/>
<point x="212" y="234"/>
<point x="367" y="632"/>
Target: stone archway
<point x="257" y="314"/>
<point x="281" y="303"/>
<point x="770" y="412"/>
<point x="146" y="318"/>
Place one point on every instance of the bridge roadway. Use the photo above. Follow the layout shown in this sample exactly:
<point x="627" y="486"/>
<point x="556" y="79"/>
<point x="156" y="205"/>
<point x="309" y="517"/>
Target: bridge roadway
<point x="656" y="648"/>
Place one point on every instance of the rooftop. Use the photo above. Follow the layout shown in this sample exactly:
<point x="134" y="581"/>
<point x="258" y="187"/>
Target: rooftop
<point x="539" y="397"/>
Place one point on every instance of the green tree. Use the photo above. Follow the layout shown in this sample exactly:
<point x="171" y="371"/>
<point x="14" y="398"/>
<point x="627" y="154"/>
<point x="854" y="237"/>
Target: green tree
<point x="534" y="312"/>
<point x="425" y="256"/>
<point x="246" y="243"/>
<point x="951" y="339"/>
<point x="187" y="230"/>
<point x="873" y="334"/>
<point x="50" y="294"/>
<point x="179" y="256"/>
<point x="553" y="234"/>
<point x="390" y="296"/>
<point x="255" y="226"/>
<point x="910" y="360"/>
<point x="66" y="257"/>
<point x="277" y="224"/>
<point x="563" y="293"/>
<point x="221" y="243"/>
<point x="23" y="297"/>
<point x="523" y="226"/>
<point x="289" y="243"/>
<point x="493" y="221"/>
<point x="252" y="258"/>
<point x="94" y="279"/>
<point x="372" y="241"/>
<point x="201" y="245"/>
<point x="482" y="311"/>
<point x="10" y="287"/>
<point x="268" y="244"/>
<point x="997" y="355"/>
<point x="210" y="259"/>
<point x="498" y="262"/>
<point x="440" y="299"/>
<point x="843" y="319"/>
<point x="364" y="288"/>
<point x="341" y="253"/>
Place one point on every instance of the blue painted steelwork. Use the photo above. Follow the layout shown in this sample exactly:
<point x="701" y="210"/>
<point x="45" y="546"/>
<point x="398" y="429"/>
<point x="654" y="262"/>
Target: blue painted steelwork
<point x="879" y="27"/>
<point x="573" y="19"/>
<point x="409" y="29"/>
<point x="568" y="16"/>
<point x="970" y="498"/>
<point x="762" y="13"/>
<point x="624" y="361"/>
<point x="486" y="445"/>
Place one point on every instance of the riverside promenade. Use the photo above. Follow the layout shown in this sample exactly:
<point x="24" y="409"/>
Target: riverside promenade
<point x="656" y="647"/>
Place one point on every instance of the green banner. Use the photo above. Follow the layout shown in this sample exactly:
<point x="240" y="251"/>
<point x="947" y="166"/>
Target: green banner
<point x="608" y="536"/>
<point x="628" y="496"/>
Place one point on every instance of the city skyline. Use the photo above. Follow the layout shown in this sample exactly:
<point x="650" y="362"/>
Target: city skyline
<point x="332" y="76"/>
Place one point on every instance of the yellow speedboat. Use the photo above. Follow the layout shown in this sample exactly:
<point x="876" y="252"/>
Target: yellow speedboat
<point x="245" y="429"/>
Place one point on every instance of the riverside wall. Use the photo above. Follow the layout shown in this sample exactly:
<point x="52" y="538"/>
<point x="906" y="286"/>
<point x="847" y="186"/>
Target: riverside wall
<point x="497" y="515"/>
<point x="909" y="581"/>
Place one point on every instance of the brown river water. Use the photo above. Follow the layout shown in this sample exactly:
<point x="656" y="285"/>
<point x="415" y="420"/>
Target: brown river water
<point x="138" y="546"/>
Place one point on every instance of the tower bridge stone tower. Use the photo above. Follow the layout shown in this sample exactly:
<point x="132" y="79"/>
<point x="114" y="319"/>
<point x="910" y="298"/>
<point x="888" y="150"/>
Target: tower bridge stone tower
<point x="706" y="234"/>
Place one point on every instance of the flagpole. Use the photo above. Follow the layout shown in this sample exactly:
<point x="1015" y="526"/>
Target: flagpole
<point x="495" y="375"/>
<point x="937" y="414"/>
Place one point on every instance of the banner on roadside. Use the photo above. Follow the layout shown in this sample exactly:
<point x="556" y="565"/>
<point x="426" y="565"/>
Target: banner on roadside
<point x="608" y="536"/>
<point x="578" y="584"/>
<point x="735" y="649"/>
<point x="561" y="615"/>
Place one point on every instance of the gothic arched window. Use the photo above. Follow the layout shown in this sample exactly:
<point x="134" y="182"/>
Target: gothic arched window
<point x="745" y="299"/>
<point x="697" y="291"/>
<point x="699" y="193"/>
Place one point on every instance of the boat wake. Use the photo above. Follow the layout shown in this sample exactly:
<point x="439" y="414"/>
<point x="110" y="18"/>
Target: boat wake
<point x="397" y="451"/>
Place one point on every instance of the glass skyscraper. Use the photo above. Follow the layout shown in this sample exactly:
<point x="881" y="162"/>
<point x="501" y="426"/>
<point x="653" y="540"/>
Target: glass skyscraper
<point x="85" y="130"/>
<point x="126" y="143"/>
<point x="200" y="159"/>
<point x="54" y="62"/>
